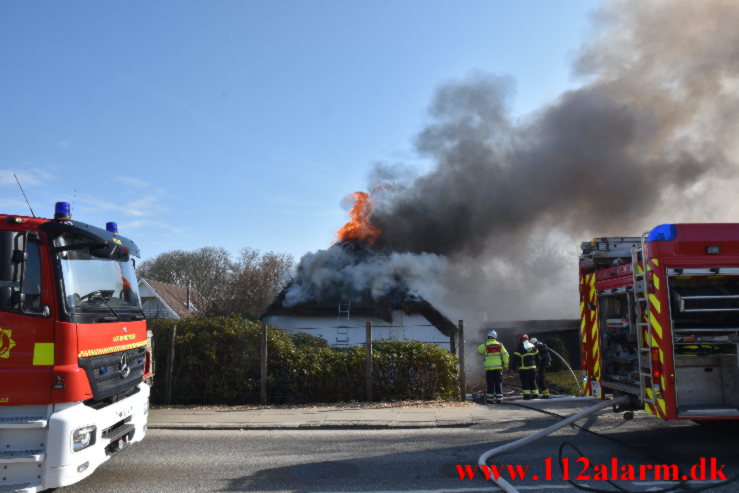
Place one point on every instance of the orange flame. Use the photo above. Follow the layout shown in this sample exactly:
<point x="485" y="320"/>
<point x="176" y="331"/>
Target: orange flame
<point x="359" y="228"/>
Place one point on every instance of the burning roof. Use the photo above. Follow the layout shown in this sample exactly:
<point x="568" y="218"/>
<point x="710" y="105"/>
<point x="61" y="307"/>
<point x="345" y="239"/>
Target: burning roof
<point x="374" y="281"/>
<point x="359" y="228"/>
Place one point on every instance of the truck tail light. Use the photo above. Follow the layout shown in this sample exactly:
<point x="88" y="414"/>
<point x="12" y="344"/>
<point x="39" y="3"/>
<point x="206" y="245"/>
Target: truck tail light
<point x="656" y="366"/>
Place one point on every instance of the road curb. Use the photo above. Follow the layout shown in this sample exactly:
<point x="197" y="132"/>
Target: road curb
<point x="309" y="426"/>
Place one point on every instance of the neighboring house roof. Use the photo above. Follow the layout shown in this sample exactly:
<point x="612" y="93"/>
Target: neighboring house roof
<point x="174" y="300"/>
<point x="381" y="308"/>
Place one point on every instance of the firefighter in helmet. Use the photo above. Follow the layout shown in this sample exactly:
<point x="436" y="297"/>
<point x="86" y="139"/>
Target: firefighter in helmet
<point x="496" y="360"/>
<point x="543" y="361"/>
<point x="524" y="360"/>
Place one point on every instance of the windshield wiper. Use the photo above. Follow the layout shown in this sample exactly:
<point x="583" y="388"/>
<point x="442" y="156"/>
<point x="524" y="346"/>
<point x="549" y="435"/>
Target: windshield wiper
<point x="143" y="315"/>
<point x="102" y="296"/>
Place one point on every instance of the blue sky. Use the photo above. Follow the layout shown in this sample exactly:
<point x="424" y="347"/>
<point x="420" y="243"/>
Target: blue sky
<point x="245" y="123"/>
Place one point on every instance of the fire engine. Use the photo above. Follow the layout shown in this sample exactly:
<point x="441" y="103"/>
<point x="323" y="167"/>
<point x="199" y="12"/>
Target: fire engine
<point x="73" y="350"/>
<point x="659" y="320"/>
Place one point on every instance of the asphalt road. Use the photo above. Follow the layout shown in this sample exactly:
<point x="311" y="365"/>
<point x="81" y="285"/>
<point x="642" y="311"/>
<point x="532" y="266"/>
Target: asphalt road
<point x="408" y="460"/>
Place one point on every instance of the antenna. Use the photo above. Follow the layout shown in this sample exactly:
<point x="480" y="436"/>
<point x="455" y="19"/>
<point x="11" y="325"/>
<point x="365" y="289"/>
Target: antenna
<point x="24" y="194"/>
<point x="74" y="199"/>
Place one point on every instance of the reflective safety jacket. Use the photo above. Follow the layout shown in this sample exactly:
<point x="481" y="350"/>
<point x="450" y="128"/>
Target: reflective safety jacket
<point x="525" y="357"/>
<point x="496" y="356"/>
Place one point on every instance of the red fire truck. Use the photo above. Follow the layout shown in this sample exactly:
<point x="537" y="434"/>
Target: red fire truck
<point x="660" y="320"/>
<point x="73" y="350"/>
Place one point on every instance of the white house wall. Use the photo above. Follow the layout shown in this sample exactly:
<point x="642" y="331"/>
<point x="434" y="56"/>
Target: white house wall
<point x="351" y="332"/>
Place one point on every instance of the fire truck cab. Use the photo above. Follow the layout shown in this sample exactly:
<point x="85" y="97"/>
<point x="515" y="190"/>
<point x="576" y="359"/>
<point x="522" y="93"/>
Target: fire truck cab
<point x="660" y="319"/>
<point x="73" y="350"/>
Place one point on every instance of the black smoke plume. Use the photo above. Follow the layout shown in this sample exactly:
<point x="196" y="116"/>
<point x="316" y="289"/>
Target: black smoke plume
<point x="650" y="136"/>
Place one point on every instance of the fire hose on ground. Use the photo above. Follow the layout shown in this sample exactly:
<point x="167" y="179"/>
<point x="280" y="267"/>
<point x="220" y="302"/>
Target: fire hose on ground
<point x="505" y="485"/>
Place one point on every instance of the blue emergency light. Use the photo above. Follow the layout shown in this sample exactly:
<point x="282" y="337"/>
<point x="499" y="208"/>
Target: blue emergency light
<point x="62" y="211"/>
<point x="663" y="232"/>
<point x="111" y="227"/>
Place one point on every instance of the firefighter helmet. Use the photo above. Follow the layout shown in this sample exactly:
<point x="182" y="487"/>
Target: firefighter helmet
<point x="522" y="337"/>
<point x="534" y="340"/>
<point x="492" y="334"/>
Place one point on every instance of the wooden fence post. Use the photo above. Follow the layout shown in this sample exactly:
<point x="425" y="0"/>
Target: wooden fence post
<point x="263" y="373"/>
<point x="169" y="374"/>
<point x="462" y="383"/>
<point x="368" y="359"/>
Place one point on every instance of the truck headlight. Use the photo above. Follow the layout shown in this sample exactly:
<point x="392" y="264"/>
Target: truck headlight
<point x="83" y="437"/>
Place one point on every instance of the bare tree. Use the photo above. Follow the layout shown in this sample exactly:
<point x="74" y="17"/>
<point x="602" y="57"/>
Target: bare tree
<point x="244" y="286"/>
<point x="256" y="280"/>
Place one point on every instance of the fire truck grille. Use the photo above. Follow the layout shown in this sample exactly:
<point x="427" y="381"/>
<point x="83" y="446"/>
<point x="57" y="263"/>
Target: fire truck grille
<point x="114" y="374"/>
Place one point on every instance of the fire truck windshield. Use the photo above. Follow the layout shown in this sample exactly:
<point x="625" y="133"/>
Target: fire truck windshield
<point x="96" y="285"/>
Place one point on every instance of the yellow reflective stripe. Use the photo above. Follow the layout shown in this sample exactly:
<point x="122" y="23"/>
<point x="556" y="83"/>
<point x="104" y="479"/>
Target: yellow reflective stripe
<point x="662" y="360"/>
<point x="592" y="288"/>
<point x="662" y="406"/>
<point x="715" y="277"/>
<point x="639" y="269"/>
<point x="43" y="353"/>
<point x="582" y="325"/>
<point x="655" y="261"/>
<point x="657" y="327"/>
<point x="663" y="381"/>
<point x="596" y="369"/>
<point x="683" y="277"/>
<point x="655" y="302"/>
<point x="582" y="307"/>
<point x="656" y="281"/>
<point x="107" y="350"/>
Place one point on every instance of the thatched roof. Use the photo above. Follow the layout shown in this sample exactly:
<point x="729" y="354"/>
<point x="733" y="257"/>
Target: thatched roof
<point x="367" y="306"/>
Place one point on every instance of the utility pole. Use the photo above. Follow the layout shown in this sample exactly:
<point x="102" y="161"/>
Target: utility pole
<point x="462" y="389"/>
<point x="368" y="359"/>
<point x="169" y="374"/>
<point x="263" y="370"/>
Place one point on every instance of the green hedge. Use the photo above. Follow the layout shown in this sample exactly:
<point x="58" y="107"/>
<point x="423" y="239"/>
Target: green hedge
<point x="217" y="362"/>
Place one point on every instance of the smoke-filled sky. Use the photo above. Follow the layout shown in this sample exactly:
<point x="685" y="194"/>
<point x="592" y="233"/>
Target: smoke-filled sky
<point x="650" y="137"/>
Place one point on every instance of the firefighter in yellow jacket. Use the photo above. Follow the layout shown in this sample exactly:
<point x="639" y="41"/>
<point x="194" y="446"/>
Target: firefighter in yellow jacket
<point x="524" y="360"/>
<point x="496" y="360"/>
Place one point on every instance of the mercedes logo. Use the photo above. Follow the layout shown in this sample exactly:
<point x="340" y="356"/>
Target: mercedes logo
<point x="125" y="370"/>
